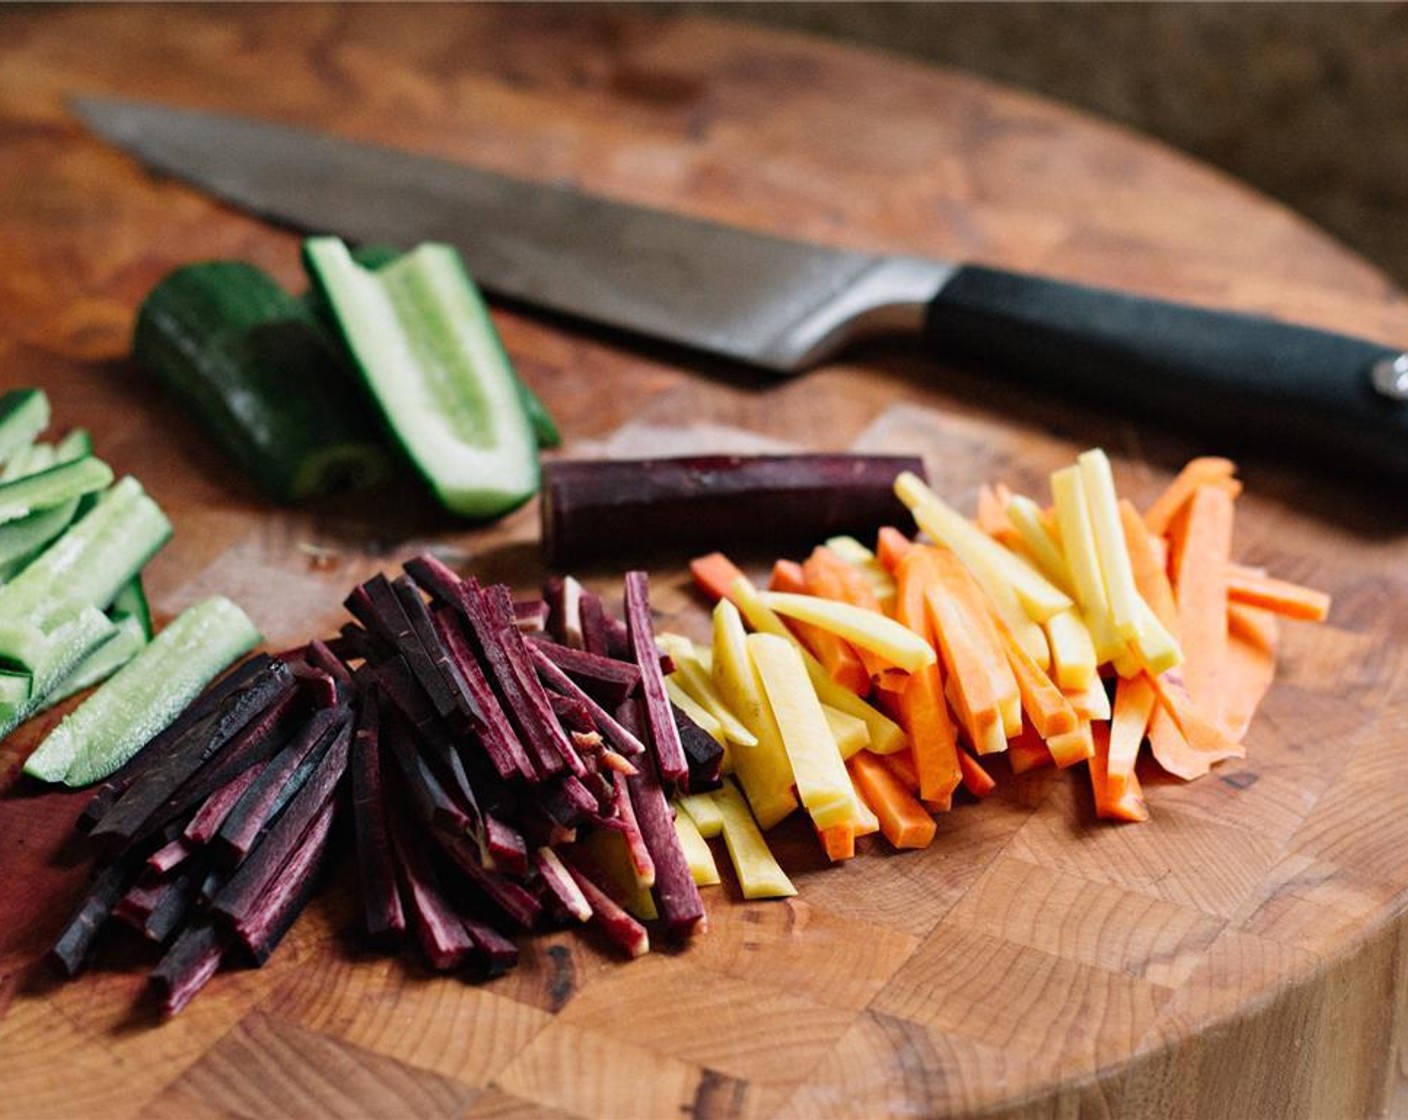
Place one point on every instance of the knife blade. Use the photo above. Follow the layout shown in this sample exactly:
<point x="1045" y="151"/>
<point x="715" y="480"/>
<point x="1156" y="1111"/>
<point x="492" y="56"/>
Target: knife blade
<point x="783" y="306"/>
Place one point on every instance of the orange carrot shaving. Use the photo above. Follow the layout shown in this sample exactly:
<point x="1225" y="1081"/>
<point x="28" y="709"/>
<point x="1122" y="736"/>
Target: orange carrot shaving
<point x="787" y="576"/>
<point x="903" y="820"/>
<point x="1075" y="746"/>
<point x="714" y="574"/>
<point x="1028" y="752"/>
<point x="1252" y="636"/>
<point x="1134" y="705"/>
<point x="976" y="780"/>
<point x="1125" y="805"/>
<point x="1171" y="750"/>
<point x="839" y="841"/>
<point x="1184" y="741"/>
<point x="1199" y="472"/>
<point x="1201" y="540"/>
<point x="890" y="545"/>
<point x="1290" y="600"/>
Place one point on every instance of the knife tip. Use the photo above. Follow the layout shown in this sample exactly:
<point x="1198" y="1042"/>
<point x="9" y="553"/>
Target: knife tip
<point x="89" y="108"/>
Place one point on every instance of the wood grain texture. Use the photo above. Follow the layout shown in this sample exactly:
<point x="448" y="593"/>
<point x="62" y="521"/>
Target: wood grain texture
<point x="1241" y="955"/>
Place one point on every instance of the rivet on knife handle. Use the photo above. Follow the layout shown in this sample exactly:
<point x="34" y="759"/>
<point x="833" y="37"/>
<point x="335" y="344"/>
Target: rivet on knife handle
<point x="1390" y="377"/>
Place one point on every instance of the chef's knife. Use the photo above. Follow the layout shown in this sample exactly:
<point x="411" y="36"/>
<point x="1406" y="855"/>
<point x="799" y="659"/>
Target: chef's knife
<point x="783" y="306"/>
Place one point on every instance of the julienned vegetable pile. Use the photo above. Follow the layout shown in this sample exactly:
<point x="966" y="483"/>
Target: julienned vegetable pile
<point x="497" y="780"/>
<point x="304" y="393"/>
<point x="1066" y="634"/>
<point x="507" y="765"/>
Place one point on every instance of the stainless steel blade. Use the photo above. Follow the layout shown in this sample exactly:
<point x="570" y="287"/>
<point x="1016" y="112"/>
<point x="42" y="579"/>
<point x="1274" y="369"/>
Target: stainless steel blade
<point x="778" y="304"/>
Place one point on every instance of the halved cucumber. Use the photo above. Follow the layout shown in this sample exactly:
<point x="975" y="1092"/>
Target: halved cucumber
<point x="375" y="257"/>
<point x="420" y="335"/>
<point x="254" y="365"/>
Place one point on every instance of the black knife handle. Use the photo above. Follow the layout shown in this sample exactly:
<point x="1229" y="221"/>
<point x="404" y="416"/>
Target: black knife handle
<point x="1249" y="379"/>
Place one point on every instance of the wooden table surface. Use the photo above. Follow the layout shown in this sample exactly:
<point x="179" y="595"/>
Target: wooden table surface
<point x="1239" y="955"/>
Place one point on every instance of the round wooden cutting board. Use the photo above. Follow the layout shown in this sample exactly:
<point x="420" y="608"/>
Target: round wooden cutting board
<point x="1239" y="955"/>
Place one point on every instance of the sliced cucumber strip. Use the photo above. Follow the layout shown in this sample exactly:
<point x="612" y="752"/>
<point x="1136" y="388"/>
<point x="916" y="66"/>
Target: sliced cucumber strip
<point x="420" y="335"/>
<point x="83" y="630"/>
<point x="49" y="654"/>
<point x="47" y="488"/>
<point x="75" y="445"/>
<point x="90" y="562"/>
<point x="21" y="541"/>
<point x="23" y="645"/>
<point x="145" y="695"/>
<point x="29" y="460"/>
<point x="132" y="616"/>
<point x="24" y="413"/>
<point x="101" y="663"/>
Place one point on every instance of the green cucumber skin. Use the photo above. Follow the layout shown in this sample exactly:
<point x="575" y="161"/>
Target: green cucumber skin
<point x="54" y="486"/>
<point x="131" y="602"/>
<point x="21" y="541"/>
<point x="412" y="327"/>
<point x="24" y="413"/>
<point x="145" y="695"/>
<point x="253" y="365"/>
<point x="545" y="429"/>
